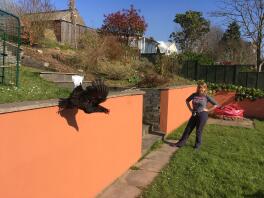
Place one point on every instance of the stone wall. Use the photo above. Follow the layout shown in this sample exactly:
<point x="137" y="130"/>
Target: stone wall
<point x="151" y="111"/>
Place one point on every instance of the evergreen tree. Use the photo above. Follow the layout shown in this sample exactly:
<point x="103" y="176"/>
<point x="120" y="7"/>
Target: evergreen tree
<point x="232" y="33"/>
<point x="193" y="27"/>
<point x="231" y="43"/>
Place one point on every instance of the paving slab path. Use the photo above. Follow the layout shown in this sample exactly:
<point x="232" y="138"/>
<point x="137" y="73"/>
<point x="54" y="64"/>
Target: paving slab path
<point x="245" y="123"/>
<point x="131" y="184"/>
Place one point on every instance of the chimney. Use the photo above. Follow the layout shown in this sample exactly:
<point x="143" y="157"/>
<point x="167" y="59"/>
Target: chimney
<point x="73" y="11"/>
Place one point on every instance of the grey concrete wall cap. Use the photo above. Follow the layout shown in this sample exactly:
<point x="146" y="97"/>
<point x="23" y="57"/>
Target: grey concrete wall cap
<point x="30" y="105"/>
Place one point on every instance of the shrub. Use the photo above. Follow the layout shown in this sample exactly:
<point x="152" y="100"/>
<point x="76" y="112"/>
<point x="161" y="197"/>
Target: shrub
<point x="168" y="65"/>
<point x="106" y="56"/>
<point x="203" y="59"/>
<point x="114" y="70"/>
<point x="113" y="49"/>
<point x="153" y="80"/>
<point x="241" y="92"/>
<point x="107" y="46"/>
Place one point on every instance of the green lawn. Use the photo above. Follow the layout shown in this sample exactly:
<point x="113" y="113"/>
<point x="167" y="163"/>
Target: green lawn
<point x="230" y="163"/>
<point x="31" y="87"/>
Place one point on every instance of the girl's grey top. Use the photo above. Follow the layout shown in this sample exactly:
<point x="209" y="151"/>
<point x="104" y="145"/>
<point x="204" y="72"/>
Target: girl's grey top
<point x="199" y="102"/>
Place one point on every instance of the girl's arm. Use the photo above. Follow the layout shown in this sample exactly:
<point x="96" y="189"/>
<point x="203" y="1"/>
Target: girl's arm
<point x="211" y="109"/>
<point x="213" y="102"/>
<point x="189" y="106"/>
<point x="188" y="100"/>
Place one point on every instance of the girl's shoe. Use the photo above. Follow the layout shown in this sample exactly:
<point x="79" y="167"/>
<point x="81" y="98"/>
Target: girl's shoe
<point x="179" y="144"/>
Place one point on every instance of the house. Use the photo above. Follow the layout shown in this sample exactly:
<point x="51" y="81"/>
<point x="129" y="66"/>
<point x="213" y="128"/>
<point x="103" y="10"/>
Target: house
<point x="167" y="48"/>
<point x="61" y="24"/>
<point x="147" y="45"/>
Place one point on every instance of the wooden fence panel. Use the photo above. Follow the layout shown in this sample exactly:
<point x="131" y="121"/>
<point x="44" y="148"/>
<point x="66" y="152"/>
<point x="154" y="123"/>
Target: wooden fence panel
<point x="184" y="70"/>
<point x="210" y="74"/>
<point x="67" y="32"/>
<point x="229" y="74"/>
<point x="202" y="70"/>
<point x="219" y="74"/>
<point x="242" y="79"/>
<point x="191" y="70"/>
<point x="260" y="83"/>
<point x="252" y="79"/>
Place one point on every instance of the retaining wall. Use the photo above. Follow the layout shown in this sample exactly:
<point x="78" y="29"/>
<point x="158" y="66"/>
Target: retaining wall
<point x="44" y="154"/>
<point x="173" y="109"/>
<point x="253" y="109"/>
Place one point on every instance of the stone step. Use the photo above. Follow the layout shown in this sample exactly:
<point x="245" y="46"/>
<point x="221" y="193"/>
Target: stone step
<point x="57" y="76"/>
<point x="8" y="65"/>
<point x="70" y="85"/>
<point x="145" y="129"/>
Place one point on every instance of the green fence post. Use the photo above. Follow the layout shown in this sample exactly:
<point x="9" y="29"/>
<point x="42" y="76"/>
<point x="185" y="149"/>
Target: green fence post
<point x="257" y="79"/>
<point x="246" y="79"/>
<point x="4" y="56"/>
<point x="215" y="69"/>
<point x="18" y="51"/>
<point x="235" y="74"/>
<point x="196" y="69"/>
<point x="10" y="25"/>
<point x="224" y="74"/>
<point x="187" y="69"/>
<point x="206" y="73"/>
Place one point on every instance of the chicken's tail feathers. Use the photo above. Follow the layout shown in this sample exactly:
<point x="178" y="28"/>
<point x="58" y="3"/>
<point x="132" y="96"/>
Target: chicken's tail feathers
<point x="77" y="80"/>
<point x="101" y="88"/>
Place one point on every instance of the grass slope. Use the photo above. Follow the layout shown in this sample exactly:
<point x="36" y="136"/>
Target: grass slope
<point x="229" y="164"/>
<point x="31" y="87"/>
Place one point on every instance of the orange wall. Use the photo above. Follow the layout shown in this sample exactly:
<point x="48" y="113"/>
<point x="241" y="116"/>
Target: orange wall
<point x="173" y="109"/>
<point x="254" y="109"/>
<point x="41" y="156"/>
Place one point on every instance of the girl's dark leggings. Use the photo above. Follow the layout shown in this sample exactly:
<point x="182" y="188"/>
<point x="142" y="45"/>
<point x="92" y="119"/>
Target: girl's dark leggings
<point x="197" y="121"/>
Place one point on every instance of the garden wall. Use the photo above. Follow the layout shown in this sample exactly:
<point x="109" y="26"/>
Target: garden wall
<point x="151" y="115"/>
<point x="253" y="109"/>
<point x="68" y="155"/>
<point x="173" y="109"/>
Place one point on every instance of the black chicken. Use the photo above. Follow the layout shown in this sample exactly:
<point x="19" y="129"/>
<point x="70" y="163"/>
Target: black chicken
<point x="87" y="99"/>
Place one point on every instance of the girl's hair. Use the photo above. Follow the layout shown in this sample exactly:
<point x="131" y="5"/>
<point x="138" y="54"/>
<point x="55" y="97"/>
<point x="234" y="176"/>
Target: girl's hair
<point x="203" y="85"/>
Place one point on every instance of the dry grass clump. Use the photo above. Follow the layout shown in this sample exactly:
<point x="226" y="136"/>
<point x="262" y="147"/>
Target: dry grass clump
<point x="106" y="56"/>
<point x="153" y="80"/>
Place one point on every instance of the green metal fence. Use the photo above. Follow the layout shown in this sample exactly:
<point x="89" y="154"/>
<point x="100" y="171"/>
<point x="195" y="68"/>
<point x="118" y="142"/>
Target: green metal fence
<point x="9" y="48"/>
<point x="227" y="74"/>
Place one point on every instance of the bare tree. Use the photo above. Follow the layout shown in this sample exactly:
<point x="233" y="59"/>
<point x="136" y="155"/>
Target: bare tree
<point x="211" y="40"/>
<point x="35" y="6"/>
<point x="9" y="6"/>
<point x="35" y="16"/>
<point x="250" y="16"/>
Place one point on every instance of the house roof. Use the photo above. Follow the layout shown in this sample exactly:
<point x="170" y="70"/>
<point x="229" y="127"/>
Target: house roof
<point x="149" y="40"/>
<point x="64" y="15"/>
<point x="164" y="46"/>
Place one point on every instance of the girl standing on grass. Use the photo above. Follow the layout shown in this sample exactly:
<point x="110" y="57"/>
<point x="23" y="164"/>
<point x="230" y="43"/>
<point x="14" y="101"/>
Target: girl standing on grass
<point x="199" y="114"/>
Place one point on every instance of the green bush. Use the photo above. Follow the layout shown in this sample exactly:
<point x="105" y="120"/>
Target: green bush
<point x="202" y="59"/>
<point x="241" y="92"/>
<point x="134" y="79"/>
